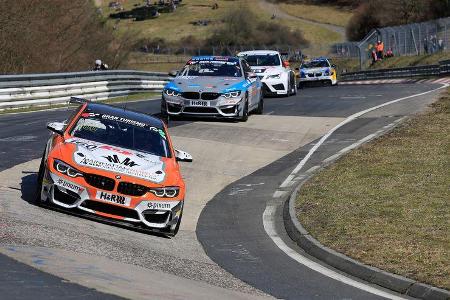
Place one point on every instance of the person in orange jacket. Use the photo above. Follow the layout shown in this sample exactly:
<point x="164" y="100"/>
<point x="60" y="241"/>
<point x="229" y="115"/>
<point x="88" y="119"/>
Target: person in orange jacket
<point x="380" y="49"/>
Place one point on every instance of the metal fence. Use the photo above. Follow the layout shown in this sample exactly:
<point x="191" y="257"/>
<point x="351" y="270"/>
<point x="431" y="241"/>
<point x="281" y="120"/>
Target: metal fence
<point x="411" y="39"/>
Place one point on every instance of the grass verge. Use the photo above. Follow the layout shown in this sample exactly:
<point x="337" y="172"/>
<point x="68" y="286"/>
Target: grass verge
<point x="387" y="203"/>
<point x="406" y="61"/>
<point x="128" y="98"/>
<point x="323" y="14"/>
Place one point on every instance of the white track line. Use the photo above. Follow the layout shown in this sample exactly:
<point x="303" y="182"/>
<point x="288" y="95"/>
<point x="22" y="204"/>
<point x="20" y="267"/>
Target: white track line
<point x="268" y="216"/>
<point x="269" y="227"/>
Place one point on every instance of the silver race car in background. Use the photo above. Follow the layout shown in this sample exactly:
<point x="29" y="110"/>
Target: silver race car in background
<point x="213" y="86"/>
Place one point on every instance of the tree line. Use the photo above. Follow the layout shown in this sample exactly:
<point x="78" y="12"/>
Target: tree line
<point x="56" y="36"/>
<point x="370" y="14"/>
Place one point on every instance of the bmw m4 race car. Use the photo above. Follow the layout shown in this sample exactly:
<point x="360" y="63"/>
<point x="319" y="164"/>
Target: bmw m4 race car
<point x="318" y="70"/>
<point x="116" y="165"/>
<point x="274" y="73"/>
<point x="213" y="86"/>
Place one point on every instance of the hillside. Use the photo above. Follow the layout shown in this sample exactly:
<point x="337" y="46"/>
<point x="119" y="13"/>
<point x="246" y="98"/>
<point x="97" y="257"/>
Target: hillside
<point x="178" y="25"/>
<point x="67" y="37"/>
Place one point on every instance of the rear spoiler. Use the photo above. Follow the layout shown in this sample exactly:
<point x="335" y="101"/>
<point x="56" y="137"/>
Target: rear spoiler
<point x="78" y="100"/>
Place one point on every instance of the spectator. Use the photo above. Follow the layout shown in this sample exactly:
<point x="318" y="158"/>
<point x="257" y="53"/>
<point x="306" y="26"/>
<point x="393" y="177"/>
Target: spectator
<point x="374" y="56"/>
<point x="215" y="6"/>
<point x="425" y="45"/>
<point x="380" y="49"/>
<point x="433" y="43"/>
<point x="100" y="66"/>
<point x="441" y="45"/>
<point x="389" y="53"/>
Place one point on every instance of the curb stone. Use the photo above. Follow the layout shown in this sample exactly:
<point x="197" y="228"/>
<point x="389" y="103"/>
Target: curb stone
<point x="344" y="263"/>
<point x="313" y="247"/>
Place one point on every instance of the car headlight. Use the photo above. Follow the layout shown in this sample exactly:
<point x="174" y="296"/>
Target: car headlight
<point x="66" y="169"/>
<point x="274" y="76"/>
<point x="173" y="93"/>
<point x="232" y="94"/>
<point x="165" y="192"/>
<point x="327" y="72"/>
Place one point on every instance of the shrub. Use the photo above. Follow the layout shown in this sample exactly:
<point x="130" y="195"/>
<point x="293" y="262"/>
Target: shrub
<point x="53" y="36"/>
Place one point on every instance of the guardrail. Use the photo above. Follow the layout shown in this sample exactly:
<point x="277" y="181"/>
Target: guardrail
<point x="442" y="69"/>
<point x="57" y="88"/>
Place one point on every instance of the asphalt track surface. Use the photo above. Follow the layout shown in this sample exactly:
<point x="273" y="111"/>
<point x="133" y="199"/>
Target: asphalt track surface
<point x="229" y="227"/>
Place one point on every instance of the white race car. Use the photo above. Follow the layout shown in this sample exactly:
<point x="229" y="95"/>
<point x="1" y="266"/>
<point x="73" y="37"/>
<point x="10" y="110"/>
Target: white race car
<point x="274" y="73"/>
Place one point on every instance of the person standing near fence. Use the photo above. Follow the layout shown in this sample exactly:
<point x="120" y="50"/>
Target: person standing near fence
<point x="380" y="49"/>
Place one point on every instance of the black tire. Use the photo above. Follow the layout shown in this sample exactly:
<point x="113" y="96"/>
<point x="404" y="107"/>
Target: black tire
<point x="289" y="88"/>
<point x="40" y="178"/>
<point x="245" y="113"/>
<point x="173" y="232"/>
<point x="293" y="87"/>
<point x="294" y="92"/>
<point x="260" y="109"/>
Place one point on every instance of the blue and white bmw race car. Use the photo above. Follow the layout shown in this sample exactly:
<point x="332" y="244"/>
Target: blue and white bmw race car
<point x="318" y="70"/>
<point x="213" y="86"/>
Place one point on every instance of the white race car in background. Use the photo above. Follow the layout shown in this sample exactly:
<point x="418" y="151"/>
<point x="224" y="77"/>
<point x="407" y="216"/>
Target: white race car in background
<point x="274" y="73"/>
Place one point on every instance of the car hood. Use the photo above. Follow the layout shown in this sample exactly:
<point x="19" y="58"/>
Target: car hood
<point x="205" y="84"/>
<point x="112" y="161"/>
<point x="268" y="70"/>
<point x="313" y="70"/>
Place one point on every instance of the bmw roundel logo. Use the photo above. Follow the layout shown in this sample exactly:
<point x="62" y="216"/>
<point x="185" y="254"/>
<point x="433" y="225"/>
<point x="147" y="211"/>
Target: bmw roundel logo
<point x="118" y="177"/>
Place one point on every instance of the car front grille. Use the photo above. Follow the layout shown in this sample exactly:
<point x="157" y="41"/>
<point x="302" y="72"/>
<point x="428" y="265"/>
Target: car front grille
<point x="200" y="110"/>
<point x="278" y="87"/>
<point x="152" y="216"/>
<point x="132" y="189"/>
<point x="67" y="197"/>
<point x="99" y="181"/>
<point x="210" y="96"/>
<point x="110" y="209"/>
<point x="173" y="108"/>
<point x="191" y="95"/>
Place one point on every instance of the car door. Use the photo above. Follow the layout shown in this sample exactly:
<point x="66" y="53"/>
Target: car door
<point x="253" y="91"/>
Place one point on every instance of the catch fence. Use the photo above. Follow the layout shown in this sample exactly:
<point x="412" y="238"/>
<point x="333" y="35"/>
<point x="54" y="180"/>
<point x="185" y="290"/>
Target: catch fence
<point x="405" y="40"/>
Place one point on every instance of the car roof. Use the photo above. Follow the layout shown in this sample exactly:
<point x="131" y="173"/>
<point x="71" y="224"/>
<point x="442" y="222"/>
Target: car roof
<point x="106" y="109"/>
<point x="255" y="52"/>
<point x="215" y="58"/>
<point x="320" y="59"/>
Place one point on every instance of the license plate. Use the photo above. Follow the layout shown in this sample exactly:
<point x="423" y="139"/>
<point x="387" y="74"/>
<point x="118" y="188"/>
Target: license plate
<point x="199" y="103"/>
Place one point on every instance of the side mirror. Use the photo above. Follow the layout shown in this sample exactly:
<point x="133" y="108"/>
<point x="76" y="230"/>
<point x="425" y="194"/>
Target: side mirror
<point x="182" y="156"/>
<point x="286" y="64"/>
<point x="56" y="127"/>
<point x="333" y="66"/>
<point x="251" y="75"/>
<point x="173" y="73"/>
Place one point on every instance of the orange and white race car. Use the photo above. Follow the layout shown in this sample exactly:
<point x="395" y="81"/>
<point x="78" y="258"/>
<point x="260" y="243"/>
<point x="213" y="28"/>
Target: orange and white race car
<point x="116" y="165"/>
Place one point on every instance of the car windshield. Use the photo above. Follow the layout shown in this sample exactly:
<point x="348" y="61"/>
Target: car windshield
<point x="212" y="68"/>
<point x="263" y="60"/>
<point x="316" y="64"/>
<point x="122" y="132"/>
